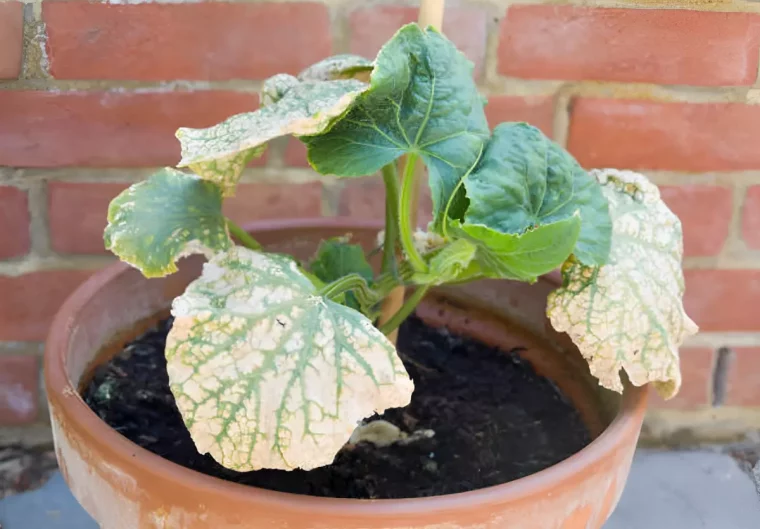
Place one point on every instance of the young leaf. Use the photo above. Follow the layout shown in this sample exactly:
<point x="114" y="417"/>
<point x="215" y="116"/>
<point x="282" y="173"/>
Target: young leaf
<point x="422" y="99"/>
<point x="629" y="314"/>
<point x="220" y="153"/>
<point x="154" y="223"/>
<point x="336" y="67"/>
<point x="454" y="262"/>
<point x="269" y="374"/>
<point x="529" y="206"/>
<point x="337" y="258"/>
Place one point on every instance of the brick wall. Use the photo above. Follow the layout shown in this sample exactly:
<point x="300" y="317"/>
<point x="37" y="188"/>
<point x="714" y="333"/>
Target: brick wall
<point x="90" y="95"/>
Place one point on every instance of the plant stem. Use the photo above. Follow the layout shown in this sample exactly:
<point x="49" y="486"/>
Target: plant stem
<point x="346" y="283"/>
<point x="241" y="235"/>
<point x="393" y="298"/>
<point x="406" y="208"/>
<point x="391" y="218"/>
<point x="431" y="14"/>
<point x="406" y="309"/>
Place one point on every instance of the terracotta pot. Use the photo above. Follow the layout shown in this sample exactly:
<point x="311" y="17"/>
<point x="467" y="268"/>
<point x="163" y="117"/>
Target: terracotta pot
<point x="126" y="487"/>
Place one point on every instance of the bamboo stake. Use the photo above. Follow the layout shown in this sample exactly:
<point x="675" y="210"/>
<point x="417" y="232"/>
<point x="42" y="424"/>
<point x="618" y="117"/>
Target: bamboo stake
<point x="431" y="14"/>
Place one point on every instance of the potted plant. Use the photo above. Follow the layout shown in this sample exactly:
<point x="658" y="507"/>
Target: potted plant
<point x="280" y="362"/>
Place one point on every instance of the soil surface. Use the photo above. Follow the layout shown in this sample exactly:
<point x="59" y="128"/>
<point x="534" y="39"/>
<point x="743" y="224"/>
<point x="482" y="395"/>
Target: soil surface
<point x="494" y="418"/>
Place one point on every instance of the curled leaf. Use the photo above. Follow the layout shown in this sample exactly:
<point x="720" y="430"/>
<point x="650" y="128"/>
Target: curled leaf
<point x="220" y="153"/>
<point x="154" y="223"/>
<point x="628" y="314"/>
<point x="269" y="374"/>
<point x="276" y="87"/>
<point x="336" y="67"/>
<point x="529" y="206"/>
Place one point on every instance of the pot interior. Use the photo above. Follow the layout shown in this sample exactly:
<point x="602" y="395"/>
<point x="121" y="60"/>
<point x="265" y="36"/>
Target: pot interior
<point x="497" y="312"/>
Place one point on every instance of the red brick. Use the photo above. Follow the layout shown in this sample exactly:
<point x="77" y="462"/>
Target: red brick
<point x="295" y="154"/>
<point x="102" y="129"/>
<point x="270" y="201"/>
<point x="30" y="301"/>
<point x="705" y="213"/>
<point x="203" y="41"/>
<point x="19" y="388"/>
<point x="77" y="215"/>
<point x="14" y="219"/>
<point x="670" y="136"/>
<point x="696" y="371"/>
<point x="536" y="110"/>
<point x="723" y="300"/>
<point x="743" y="387"/>
<point x="751" y="218"/>
<point x="629" y="45"/>
<point x="11" y="39"/>
<point x="371" y="27"/>
<point x="364" y="198"/>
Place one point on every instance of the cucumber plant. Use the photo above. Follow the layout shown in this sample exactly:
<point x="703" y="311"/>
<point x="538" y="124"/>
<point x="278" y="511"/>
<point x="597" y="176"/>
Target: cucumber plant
<point x="273" y="362"/>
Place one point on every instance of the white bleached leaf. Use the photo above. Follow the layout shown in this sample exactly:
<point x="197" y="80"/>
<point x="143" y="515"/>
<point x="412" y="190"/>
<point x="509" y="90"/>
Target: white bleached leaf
<point x="267" y="373"/>
<point x="220" y="153"/>
<point x="629" y="314"/>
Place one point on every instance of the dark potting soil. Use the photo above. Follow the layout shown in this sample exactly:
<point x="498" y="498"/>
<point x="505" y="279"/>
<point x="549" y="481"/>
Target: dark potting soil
<point x="494" y="418"/>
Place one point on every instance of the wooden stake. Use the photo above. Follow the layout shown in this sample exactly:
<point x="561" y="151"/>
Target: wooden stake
<point x="431" y="14"/>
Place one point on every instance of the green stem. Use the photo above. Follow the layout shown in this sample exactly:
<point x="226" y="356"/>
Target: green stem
<point x="406" y="309"/>
<point x="405" y="209"/>
<point x="391" y="217"/>
<point x="350" y="282"/>
<point x="241" y="235"/>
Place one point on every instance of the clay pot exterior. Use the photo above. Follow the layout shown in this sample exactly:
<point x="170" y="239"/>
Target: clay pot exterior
<point x="124" y="486"/>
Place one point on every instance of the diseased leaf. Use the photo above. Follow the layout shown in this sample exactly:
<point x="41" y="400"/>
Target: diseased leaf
<point x="422" y="99"/>
<point x="220" y="153"/>
<point x="629" y="314"/>
<point x="336" y="67"/>
<point x="529" y="206"/>
<point x="337" y="258"/>
<point x="453" y="263"/>
<point x="276" y="87"/>
<point x="154" y="223"/>
<point x="269" y="374"/>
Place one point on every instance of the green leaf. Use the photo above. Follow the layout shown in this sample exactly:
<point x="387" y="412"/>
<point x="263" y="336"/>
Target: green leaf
<point x="335" y="259"/>
<point x="154" y="223"/>
<point x="528" y="206"/>
<point x="336" y="67"/>
<point x="523" y="182"/>
<point x="522" y="257"/>
<point x="422" y="99"/>
<point x="268" y="374"/>
<point x="452" y="263"/>
<point x="629" y="314"/>
<point x="220" y="153"/>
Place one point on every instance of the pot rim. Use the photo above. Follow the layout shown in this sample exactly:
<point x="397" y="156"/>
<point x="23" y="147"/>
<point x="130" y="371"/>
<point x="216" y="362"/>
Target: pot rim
<point x="60" y="391"/>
